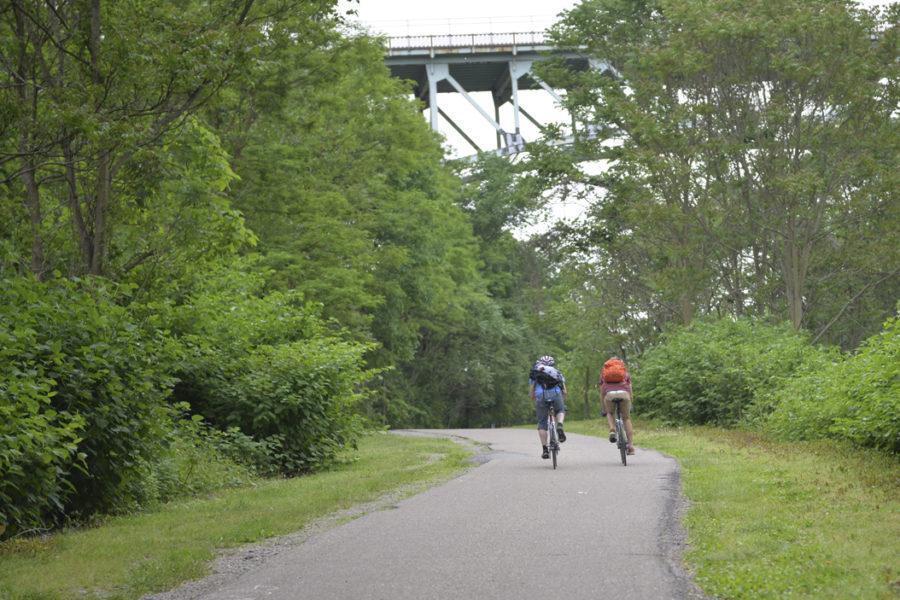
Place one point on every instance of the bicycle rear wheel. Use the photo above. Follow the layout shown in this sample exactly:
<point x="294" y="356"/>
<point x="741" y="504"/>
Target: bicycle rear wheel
<point x="621" y="440"/>
<point x="554" y="444"/>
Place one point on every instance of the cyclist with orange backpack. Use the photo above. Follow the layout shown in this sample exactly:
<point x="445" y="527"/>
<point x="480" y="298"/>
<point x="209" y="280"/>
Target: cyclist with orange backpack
<point x="615" y="382"/>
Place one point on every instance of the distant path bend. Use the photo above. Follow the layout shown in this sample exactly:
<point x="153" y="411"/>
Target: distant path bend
<point x="512" y="529"/>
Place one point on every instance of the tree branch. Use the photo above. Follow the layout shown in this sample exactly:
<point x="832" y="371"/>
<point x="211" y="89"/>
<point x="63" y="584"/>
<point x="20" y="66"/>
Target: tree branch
<point x="850" y="302"/>
<point x="137" y="260"/>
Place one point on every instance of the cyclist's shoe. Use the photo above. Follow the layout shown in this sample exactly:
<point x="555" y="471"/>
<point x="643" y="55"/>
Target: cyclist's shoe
<point x="546" y="453"/>
<point x="630" y="450"/>
<point x="560" y="433"/>
<point x="612" y="437"/>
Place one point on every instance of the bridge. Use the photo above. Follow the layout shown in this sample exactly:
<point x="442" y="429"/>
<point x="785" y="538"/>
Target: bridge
<point x="499" y="63"/>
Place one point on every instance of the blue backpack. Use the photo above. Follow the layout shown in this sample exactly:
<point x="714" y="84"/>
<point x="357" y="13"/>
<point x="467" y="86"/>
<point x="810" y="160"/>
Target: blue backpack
<point x="546" y="377"/>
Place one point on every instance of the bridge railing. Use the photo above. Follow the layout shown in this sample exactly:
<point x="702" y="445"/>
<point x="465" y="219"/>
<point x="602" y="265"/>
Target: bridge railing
<point x="465" y="40"/>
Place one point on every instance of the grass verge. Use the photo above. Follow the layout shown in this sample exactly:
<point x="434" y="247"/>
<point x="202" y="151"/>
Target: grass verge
<point x="770" y="519"/>
<point x="129" y="556"/>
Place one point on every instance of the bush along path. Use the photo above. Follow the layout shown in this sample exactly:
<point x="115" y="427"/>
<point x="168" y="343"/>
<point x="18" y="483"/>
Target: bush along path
<point x="109" y="408"/>
<point x="729" y="372"/>
<point x="771" y="518"/>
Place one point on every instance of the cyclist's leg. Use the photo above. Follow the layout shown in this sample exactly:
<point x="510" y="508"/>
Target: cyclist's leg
<point x="626" y="417"/>
<point x="630" y="431"/>
<point x="610" y="413"/>
<point x="541" y="411"/>
<point x="559" y="406"/>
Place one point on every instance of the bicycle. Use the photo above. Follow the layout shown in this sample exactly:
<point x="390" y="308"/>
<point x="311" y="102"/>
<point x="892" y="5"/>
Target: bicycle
<point x="621" y="437"/>
<point x="552" y="435"/>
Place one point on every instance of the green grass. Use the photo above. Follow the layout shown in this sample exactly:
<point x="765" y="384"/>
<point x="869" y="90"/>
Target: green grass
<point x="769" y="519"/>
<point x="129" y="556"/>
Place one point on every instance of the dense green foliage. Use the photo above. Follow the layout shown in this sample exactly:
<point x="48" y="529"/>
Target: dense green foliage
<point x="89" y="383"/>
<point x="744" y="372"/>
<point x="91" y="423"/>
<point x="737" y="160"/>
<point x="344" y="186"/>
<point x="264" y="363"/>
<point x="709" y="371"/>
<point x="230" y="245"/>
<point x="196" y="459"/>
<point x="855" y="397"/>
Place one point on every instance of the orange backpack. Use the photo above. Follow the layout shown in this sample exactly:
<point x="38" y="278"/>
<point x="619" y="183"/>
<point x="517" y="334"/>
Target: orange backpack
<point x="614" y="371"/>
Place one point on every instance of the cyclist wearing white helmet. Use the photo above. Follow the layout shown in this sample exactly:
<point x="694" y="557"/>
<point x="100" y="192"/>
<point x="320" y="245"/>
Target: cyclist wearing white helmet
<point x="548" y="386"/>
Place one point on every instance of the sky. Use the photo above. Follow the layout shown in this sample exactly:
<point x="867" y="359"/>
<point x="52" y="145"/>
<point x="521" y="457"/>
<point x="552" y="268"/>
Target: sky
<point x="409" y="17"/>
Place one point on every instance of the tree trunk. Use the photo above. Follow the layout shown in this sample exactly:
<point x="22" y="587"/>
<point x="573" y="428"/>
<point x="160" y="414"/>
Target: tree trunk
<point x="737" y="292"/>
<point x="32" y="193"/>
<point x="102" y="183"/>
<point x="794" y="275"/>
<point x="94" y="42"/>
<point x="33" y="203"/>
<point x="82" y="235"/>
<point x="101" y="204"/>
<point x="587" y="389"/>
<point x="686" y="309"/>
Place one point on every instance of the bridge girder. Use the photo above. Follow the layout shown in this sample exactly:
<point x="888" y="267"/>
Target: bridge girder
<point x="501" y="69"/>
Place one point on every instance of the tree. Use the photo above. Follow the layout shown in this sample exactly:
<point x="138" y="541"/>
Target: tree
<point x="345" y="186"/>
<point x="751" y="136"/>
<point x="90" y="95"/>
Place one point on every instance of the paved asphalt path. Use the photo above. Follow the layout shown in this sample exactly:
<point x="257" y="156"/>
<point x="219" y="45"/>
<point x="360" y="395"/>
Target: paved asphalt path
<point x="511" y="528"/>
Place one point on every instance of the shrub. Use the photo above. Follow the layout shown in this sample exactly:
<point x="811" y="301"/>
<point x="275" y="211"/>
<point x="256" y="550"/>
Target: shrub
<point x="299" y="399"/>
<point x="38" y="445"/>
<point x="84" y="385"/>
<point x="852" y="397"/>
<point x="708" y="372"/>
<point x="195" y="459"/>
<point x="266" y="364"/>
<point x="241" y="449"/>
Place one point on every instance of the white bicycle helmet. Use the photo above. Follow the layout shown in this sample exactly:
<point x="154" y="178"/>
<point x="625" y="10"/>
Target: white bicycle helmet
<point x="547" y="360"/>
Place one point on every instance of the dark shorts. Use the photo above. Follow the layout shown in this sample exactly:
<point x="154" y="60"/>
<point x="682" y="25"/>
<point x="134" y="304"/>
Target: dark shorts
<point x="543" y="400"/>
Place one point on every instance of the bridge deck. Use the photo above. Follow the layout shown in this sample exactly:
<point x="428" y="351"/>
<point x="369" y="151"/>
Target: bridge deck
<point x="479" y="62"/>
<point x="414" y="44"/>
